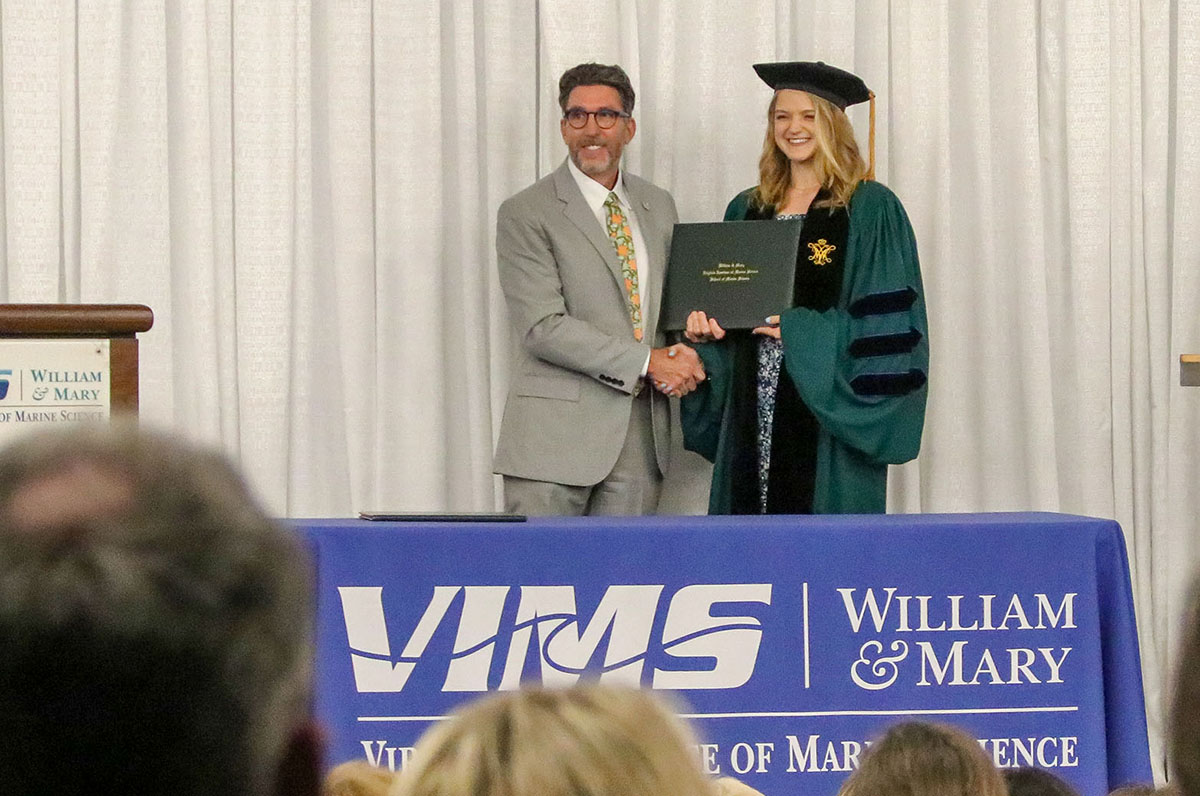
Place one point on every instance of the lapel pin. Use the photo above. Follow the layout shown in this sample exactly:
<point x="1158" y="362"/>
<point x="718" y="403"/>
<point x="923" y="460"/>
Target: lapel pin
<point x="645" y="205"/>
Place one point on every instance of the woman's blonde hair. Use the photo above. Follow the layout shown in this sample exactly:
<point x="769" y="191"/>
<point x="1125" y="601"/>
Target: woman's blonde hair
<point x="922" y="759"/>
<point x="357" y="778"/>
<point x="587" y="740"/>
<point x="838" y="162"/>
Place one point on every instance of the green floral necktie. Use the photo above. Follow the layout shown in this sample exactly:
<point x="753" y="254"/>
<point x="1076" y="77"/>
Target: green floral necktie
<point x="622" y="238"/>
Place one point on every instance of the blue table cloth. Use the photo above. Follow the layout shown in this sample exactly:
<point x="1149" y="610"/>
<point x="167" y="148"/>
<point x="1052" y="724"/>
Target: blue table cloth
<point x="788" y="641"/>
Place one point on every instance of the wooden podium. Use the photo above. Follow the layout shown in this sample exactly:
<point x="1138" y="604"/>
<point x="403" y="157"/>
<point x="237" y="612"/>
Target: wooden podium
<point x="118" y="323"/>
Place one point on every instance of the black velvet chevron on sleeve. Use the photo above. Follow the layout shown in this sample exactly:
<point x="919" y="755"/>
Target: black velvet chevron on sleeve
<point x="883" y="303"/>
<point x="880" y="345"/>
<point x="888" y="383"/>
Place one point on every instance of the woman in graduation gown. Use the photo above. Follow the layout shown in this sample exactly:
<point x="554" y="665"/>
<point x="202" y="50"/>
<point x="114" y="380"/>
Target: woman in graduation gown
<point x="804" y="414"/>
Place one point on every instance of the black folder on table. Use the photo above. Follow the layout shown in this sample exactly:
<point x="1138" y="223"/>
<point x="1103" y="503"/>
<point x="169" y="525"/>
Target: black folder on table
<point x="738" y="272"/>
<point x="420" y="516"/>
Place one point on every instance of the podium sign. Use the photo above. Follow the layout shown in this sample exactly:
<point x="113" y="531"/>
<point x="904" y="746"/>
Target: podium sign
<point x="50" y="382"/>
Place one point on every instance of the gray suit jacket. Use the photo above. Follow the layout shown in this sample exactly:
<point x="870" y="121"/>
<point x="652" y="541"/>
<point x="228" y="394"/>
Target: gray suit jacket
<point x="577" y="363"/>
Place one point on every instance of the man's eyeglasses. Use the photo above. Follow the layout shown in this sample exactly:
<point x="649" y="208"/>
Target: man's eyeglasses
<point x="605" y="117"/>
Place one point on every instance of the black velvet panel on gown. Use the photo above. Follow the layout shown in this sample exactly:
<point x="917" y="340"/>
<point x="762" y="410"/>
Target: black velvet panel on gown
<point x="794" y="435"/>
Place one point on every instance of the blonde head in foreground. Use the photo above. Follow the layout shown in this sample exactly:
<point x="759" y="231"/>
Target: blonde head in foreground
<point x="587" y="740"/>
<point x="923" y="759"/>
<point x="357" y="778"/>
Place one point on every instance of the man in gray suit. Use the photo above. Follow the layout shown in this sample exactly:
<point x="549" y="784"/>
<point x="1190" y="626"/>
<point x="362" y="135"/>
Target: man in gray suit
<point x="582" y="254"/>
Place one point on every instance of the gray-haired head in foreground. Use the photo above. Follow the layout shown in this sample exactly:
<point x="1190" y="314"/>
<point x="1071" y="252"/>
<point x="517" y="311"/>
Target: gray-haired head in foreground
<point x="155" y="625"/>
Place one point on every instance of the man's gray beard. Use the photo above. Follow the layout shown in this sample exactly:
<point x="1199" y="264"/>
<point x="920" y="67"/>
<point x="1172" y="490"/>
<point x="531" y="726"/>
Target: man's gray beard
<point x="592" y="171"/>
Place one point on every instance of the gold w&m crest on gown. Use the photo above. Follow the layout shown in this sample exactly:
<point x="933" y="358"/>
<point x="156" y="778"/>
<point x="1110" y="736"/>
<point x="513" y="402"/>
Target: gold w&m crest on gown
<point x="820" y="251"/>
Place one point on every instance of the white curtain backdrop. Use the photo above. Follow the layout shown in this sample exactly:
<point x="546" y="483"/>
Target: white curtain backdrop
<point x="305" y="193"/>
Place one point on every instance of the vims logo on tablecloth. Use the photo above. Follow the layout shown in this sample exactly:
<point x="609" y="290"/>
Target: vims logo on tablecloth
<point x="5" y="378"/>
<point x="618" y="633"/>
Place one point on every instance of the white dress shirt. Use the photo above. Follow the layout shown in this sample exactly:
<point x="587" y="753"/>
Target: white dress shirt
<point x="596" y="195"/>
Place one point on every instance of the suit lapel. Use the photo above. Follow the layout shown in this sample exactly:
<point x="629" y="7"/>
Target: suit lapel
<point x="577" y="210"/>
<point x="655" y="230"/>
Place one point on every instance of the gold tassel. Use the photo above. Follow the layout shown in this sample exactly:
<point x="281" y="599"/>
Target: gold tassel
<point x="871" y="167"/>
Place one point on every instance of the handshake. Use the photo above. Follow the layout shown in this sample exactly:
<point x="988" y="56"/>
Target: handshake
<point x="676" y="370"/>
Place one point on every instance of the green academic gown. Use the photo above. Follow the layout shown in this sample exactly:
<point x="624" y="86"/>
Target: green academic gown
<point x="851" y="395"/>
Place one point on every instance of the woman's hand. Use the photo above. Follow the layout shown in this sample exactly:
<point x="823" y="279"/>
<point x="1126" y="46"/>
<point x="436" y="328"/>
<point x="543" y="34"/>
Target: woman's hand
<point x="702" y="329"/>
<point x="770" y="330"/>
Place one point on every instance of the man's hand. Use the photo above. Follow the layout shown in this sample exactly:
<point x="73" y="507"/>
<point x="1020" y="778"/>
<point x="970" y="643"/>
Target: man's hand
<point x="675" y="371"/>
<point x="702" y="329"/>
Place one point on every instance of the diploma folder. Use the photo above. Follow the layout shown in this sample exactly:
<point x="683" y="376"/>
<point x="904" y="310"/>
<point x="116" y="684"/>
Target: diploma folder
<point x="738" y="272"/>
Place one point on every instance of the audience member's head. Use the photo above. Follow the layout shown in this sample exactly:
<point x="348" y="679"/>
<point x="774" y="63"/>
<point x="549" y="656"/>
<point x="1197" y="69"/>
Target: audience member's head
<point x="1184" y="739"/>
<point x="155" y="625"/>
<point x="729" y="786"/>
<point x="922" y="759"/>
<point x="1145" y="790"/>
<point x="1033" y="781"/>
<point x="589" y="740"/>
<point x="357" y="778"/>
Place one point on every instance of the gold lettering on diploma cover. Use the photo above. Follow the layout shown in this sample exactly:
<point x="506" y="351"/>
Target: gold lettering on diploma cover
<point x="820" y="252"/>
<point x="730" y="272"/>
